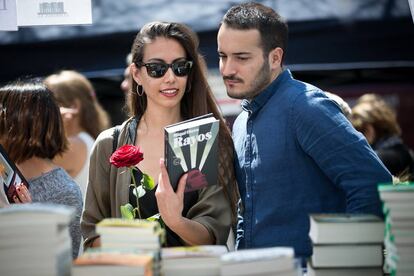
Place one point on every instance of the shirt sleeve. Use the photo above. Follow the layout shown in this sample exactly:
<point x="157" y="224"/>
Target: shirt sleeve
<point x="341" y="152"/>
<point x="97" y="201"/>
<point x="213" y="211"/>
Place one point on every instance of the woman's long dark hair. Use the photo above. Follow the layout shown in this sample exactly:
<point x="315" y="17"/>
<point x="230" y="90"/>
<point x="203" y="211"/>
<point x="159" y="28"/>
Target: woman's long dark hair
<point x="198" y="98"/>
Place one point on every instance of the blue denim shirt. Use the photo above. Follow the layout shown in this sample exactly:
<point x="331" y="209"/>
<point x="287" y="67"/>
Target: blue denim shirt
<point x="297" y="154"/>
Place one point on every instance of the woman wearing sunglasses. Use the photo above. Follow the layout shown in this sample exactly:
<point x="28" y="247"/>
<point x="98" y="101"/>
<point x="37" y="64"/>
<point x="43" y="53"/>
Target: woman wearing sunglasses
<point x="168" y="85"/>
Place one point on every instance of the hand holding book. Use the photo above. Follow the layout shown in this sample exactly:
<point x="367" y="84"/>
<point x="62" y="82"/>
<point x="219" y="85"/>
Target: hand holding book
<point x="191" y="147"/>
<point x="22" y="194"/>
<point x="170" y="203"/>
<point x="12" y="178"/>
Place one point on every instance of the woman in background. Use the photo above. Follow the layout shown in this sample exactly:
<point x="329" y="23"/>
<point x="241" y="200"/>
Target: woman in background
<point x="31" y="132"/>
<point x="373" y="117"/>
<point x="83" y="119"/>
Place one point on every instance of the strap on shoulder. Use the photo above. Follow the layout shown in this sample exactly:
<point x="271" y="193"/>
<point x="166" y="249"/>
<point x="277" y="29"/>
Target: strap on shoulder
<point x="115" y="136"/>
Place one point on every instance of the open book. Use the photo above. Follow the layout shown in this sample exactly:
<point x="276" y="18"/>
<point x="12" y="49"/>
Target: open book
<point x="10" y="175"/>
<point x="191" y="147"/>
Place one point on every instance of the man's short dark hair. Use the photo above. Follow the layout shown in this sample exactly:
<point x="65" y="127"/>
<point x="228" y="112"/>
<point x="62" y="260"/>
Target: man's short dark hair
<point x="272" y="27"/>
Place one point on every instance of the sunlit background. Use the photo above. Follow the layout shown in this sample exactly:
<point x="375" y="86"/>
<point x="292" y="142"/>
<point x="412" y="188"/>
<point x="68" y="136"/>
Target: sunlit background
<point x="346" y="47"/>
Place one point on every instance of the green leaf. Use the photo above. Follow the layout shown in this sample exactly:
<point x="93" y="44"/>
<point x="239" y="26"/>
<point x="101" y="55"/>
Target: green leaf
<point x="127" y="211"/>
<point x="139" y="191"/>
<point x="155" y="217"/>
<point x="147" y="182"/>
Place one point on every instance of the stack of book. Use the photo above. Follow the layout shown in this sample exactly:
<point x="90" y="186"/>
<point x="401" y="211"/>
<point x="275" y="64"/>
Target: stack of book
<point x="130" y="234"/>
<point x="128" y="262"/>
<point x="346" y="244"/>
<point x="34" y="239"/>
<point x="399" y="235"/>
<point x="262" y="261"/>
<point x="192" y="260"/>
<point x="126" y="246"/>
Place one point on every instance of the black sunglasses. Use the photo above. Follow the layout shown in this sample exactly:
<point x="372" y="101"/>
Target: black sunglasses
<point x="180" y="68"/>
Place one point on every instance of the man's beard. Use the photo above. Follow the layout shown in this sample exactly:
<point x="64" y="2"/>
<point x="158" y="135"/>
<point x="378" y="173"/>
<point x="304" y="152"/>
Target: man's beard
<point x="260" y="82"/>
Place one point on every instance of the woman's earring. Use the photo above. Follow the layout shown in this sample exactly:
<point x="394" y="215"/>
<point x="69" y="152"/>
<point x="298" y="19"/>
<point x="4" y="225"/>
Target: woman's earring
<point x="188" y="88"/>
<point x="140" y="90"/>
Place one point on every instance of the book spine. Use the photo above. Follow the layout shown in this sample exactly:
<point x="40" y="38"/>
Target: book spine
<point x="167" y="155"/>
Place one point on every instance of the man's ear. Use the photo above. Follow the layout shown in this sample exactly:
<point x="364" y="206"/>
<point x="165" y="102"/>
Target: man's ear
<point x="275" y="58"/>
<point x="135" y="73"/>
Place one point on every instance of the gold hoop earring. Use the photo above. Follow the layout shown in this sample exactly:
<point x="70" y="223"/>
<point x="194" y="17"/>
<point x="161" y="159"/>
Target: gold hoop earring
<point x="140" y="90"/>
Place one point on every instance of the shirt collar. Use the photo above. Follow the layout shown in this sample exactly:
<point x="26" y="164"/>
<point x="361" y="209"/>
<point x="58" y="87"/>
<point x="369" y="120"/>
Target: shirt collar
<point x="261" y="98"/>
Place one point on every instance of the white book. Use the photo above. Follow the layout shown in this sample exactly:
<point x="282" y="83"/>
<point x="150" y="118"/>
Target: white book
<point x="192" y="260"/>
<point x="400" y="192"/>
<point x="347" y="255"/>
<point x="36" y="213"/>
<point x="258" y="261"/>
<point x="127" y="227"/>
<point x="346" y="228"/>
<point x="39" y="254"/>
<point x="99" y="261"/>
<point x="370" y="271"/>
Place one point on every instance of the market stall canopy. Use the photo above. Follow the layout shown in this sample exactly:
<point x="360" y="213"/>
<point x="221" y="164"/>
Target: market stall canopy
<point x="324" y="35"/>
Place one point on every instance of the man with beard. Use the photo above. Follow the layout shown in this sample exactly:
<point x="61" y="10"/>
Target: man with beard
<point x="296" y="152"/>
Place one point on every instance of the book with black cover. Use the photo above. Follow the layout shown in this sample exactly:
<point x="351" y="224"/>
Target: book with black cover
<point x="191" y="147"/>
<point x="10" y="175"/>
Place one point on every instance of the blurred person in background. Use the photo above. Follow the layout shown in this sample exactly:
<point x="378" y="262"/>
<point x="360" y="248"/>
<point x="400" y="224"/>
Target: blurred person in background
<point x="32" y="133"/>
<point x="169" y="85"/>
<point x="374" y="118"/>
<point x="83" y="119"/>
<point x="371" y="98"/>
<point x="126" y="83"/>
<point x="343" y="105"/>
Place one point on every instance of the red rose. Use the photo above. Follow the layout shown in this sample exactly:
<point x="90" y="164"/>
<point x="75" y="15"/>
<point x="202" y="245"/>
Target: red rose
<point x="126" y="156"/>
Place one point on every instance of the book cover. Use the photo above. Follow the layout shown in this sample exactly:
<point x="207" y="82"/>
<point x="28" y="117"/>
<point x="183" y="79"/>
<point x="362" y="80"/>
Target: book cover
<point x="10" y="175"/>
<point x="191" y="147"/>
<point x="346" y="228"/>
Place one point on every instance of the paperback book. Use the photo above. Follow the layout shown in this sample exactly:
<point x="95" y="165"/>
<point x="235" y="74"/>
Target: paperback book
<point x="192" y="260"/>
<point x="399" y="235"/>
<point x="10" y="176"/>
<point x="347" y="255"/>
<point x="117" y="233"/>
<point x="191" y="147"/>
<point x="350" y="271"/>
<point x="37" y="233"/>
<point x="346" y="228"/>
<point x="259" y="261"/>
<point x="400" y="192"/>
<point x="101" y="261"/>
